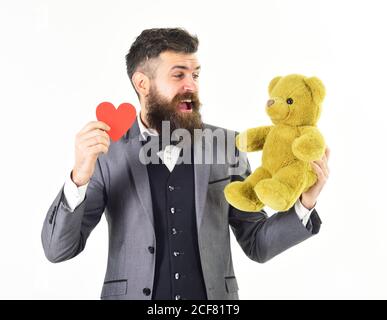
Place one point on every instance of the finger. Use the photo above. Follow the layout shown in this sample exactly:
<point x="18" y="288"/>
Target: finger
<point x="325" y="165"/>
<point x="327" y="155"/>
<point x="98" y="148"/>
<point x="95" y="125"/>
<point x="320" y="174"/>
<point x="94" y="141"/>
<point x="324" y="159"/>
<point x="93" y="133"/>
<point x="322" y="165"/>
<point x="327" y="152"/>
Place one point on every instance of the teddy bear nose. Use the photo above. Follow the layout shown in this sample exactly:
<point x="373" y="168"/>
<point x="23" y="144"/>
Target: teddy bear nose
<point x="270" y="102"/>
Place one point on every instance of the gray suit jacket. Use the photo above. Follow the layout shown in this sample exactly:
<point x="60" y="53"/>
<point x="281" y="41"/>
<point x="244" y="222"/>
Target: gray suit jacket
<point x="120" y="188"/>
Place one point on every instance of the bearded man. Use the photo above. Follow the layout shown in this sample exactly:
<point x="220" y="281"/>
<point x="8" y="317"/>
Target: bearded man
<point x="168" y="218"/>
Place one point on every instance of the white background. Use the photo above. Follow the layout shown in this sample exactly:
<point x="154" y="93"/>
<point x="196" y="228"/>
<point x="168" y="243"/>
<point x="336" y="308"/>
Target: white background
<point x="59" y="59"/>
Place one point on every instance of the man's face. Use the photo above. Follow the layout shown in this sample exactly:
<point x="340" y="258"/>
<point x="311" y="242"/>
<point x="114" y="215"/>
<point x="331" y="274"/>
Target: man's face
<point x="173" y="94"/>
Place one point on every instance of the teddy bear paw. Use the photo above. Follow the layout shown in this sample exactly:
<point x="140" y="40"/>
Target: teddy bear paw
<point x="274" y="194"/>
<point x="242" y="196"/>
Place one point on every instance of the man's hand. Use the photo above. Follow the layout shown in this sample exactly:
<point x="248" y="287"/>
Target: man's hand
<point x="309" y="198"/>
<point x="90" y="142"/>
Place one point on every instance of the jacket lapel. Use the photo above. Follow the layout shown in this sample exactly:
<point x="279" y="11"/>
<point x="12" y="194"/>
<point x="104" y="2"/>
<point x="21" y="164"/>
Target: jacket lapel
<point x="202" y="174"/>
<point x="139" y="170"/>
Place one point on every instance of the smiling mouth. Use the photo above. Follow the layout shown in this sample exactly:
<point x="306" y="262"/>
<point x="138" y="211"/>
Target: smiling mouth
<point x="185" y="105"/>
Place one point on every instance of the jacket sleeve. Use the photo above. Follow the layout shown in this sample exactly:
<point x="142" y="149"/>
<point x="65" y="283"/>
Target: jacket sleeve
<point x="64" y="233"/>
<point x="262" y="237"/>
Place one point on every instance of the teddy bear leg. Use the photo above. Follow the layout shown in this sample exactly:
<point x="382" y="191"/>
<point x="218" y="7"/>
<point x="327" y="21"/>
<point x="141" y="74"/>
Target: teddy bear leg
<point x="282" y="191"/>
<point x="241" y="195"/>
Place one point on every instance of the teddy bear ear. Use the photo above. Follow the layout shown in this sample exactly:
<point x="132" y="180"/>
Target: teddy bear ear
<point x="273" y="83"/>
<point x="317" y="88"/>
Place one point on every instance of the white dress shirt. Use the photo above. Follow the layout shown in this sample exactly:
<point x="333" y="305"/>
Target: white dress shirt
<point x="75" y="195"/>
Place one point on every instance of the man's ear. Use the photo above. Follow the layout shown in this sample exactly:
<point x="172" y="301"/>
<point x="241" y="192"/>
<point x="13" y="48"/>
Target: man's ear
<point x="141" y="82"/>
<point x="273" y="83"/>
<point x="317" y="89"/>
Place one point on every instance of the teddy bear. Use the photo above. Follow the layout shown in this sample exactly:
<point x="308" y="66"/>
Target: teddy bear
<point x="288" y="146"/>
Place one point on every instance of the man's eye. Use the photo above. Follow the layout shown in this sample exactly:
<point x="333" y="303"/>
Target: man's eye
<point x="195" y="75"/>
<point x="179" y="75"/>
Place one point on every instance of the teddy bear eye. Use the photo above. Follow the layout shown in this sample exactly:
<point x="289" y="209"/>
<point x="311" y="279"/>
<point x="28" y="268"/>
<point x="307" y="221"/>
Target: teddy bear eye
<point x="289" y="101"/>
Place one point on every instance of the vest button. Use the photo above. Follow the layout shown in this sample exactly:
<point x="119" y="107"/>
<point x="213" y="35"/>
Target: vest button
<point x="177" y="275"/>
<point x="172" y="210"/>
<point x="151" y="249"/>
<point x="174" y="231"/>
<point x="177" y="297"/>
<point x="176" y="253"/>
<point x="146" y="291"/>
<point x="171" y="188"/>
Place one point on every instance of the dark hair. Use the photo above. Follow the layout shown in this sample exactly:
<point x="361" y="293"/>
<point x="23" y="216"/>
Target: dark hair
<point x="151" y="42"/>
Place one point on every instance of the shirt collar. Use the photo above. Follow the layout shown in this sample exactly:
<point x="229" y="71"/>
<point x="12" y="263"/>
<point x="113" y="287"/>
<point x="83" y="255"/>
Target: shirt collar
<point x="144" y="130"/>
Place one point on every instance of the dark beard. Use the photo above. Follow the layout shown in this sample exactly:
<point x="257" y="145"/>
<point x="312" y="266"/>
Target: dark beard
<point x="159" y="109"/>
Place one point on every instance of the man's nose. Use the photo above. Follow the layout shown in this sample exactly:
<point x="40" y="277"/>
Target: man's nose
<point x="189" y="86"/>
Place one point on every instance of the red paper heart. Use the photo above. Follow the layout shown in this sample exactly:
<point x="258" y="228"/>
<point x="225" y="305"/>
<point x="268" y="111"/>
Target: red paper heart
<point x="119" y="120"/>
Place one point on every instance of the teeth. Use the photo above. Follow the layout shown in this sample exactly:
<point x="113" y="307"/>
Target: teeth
<point x="186" y="100"/>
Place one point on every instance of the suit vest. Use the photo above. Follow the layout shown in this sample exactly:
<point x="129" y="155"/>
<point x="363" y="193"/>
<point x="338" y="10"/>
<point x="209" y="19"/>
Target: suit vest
<point x="178" y="273"/>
